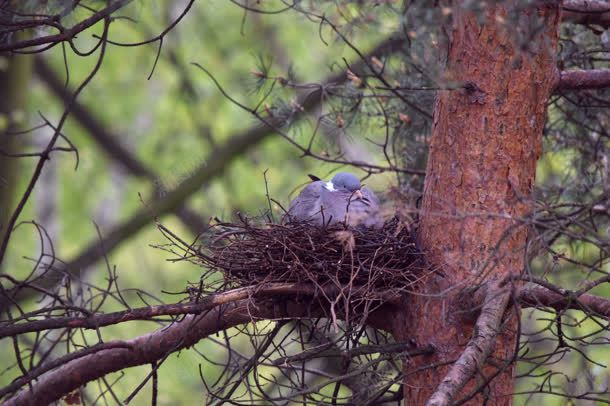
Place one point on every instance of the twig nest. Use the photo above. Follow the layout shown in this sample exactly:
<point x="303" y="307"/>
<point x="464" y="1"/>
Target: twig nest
<point x="385" y="259"/>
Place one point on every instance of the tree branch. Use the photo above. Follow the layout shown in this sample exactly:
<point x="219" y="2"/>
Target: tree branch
<point x="587" y="12"/>
<point x="537" y="296"/>
<point x="48" y="366"/>
<point x="329" y="350"/>
<point x="66" y="34"/>
<point x="584" y="79"/>
<point x="229" y="309"/>
<point x="94" y="321"/>
<point x="141" y="350"/>
<point x="157" y="345"/>
<point x="476" y="352"/>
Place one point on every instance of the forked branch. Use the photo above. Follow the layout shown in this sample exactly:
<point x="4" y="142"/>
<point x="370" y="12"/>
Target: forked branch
<point x="150" y="348"/>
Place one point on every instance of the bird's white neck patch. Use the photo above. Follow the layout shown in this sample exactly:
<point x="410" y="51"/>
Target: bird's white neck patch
<point x="329" y="186"/>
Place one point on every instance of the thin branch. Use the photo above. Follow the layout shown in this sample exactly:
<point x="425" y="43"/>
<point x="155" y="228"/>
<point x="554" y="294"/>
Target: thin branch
<point x="65" y="34"/>
<point x="45" y="155"/>
<point x="328" y="350"/>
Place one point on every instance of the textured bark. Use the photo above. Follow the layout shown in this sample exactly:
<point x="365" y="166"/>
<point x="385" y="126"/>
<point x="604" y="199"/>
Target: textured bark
<point x="486" y="139"/>
<point x="584" y="79"/>
<point x="476" y="352"/>
<point x="587" y="12"/>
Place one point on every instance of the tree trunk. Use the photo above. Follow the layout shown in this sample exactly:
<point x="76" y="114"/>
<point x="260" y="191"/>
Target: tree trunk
<point x="486" y="139"/>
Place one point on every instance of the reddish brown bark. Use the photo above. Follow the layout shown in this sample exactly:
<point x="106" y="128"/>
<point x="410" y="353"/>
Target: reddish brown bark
<point x="485" y="142"/>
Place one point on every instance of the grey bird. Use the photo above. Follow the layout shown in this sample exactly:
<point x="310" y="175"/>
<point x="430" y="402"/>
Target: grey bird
<point x="341" y="200"/>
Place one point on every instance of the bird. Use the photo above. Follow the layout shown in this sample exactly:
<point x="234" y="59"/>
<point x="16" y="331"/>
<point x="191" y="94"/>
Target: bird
<point x="340" y="200"/>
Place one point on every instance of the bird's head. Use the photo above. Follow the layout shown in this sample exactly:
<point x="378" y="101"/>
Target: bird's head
<point x="346" y="182"/>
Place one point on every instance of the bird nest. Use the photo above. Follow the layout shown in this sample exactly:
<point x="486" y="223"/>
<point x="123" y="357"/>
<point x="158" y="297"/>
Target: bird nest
<point x="368" y="260"/>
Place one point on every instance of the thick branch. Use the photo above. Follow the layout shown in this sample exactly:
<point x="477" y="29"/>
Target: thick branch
<point x="157" y="345"/>
<point x="584" y="79"/>
<point x="587" y="12"/>
<point x="56" y="363"/>
<point x="477" y="350"/>
<point x="94" y="321"/>
<point x="65" y="34"/>
<point x="538" y="296"/>
<point x="142" y="350"/>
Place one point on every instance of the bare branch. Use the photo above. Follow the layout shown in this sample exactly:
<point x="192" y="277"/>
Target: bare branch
<point x="584" y="79"/>
<point x="65" y="34"/>
<point x="538" y="296"/>
<point x="33" y="374"/>
<point x="144" y="350"/>
<point x="155" y="346"/>
<point x="587" y="12"/>
<point x="329" y="350"/>
<point x="44" y="156"/>
<point x="94" y="321"/>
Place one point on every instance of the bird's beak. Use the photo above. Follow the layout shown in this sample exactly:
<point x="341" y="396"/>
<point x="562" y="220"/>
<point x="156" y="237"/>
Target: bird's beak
<point x="358" y="195"/>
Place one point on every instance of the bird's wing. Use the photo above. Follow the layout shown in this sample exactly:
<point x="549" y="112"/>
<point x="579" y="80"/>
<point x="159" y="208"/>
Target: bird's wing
<point x="334" y="205"/>
<point x="307" y="205"/>
<point x="318" y="204"/>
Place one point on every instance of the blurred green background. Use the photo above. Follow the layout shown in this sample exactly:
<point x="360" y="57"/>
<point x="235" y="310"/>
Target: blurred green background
<point x="175" y="122"/>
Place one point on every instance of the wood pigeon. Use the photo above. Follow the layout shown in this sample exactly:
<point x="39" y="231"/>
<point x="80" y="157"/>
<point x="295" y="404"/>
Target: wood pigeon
<point x="343" y="199"/>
